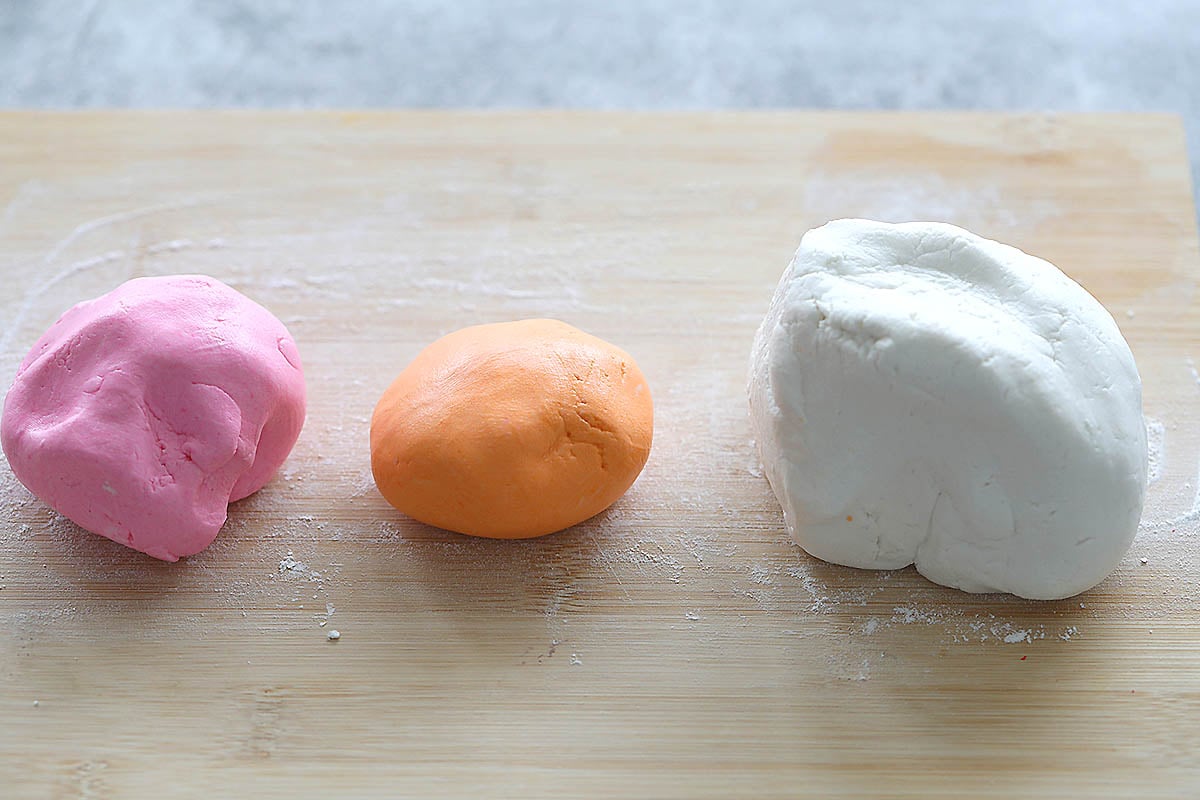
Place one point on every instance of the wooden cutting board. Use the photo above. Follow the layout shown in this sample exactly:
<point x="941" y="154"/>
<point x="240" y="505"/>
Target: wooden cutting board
<point x="677" y="646"/>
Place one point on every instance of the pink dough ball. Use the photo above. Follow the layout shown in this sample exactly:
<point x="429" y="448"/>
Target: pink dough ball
<point x="141" y="415"/>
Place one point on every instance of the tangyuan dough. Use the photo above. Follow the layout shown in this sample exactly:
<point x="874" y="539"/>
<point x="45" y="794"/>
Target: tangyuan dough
<point x="921" y="395"/>
<point x="142" y="414"/>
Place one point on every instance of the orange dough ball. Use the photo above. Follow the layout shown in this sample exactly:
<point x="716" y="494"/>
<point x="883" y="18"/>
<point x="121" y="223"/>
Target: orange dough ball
<point x="512" y="430"/>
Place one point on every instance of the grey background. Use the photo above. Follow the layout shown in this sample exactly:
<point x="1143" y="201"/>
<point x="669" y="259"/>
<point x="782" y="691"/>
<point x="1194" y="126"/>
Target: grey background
<point x="910" y="54"/>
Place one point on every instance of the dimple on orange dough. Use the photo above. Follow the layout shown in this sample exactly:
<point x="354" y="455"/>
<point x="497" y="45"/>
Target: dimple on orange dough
<point x="512" y="430"/>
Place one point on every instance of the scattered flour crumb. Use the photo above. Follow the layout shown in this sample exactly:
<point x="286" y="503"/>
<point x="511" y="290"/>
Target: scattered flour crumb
<point x="760" y="575"/>
<point x="1017" y="636"/>
<point x="692" y="615"/>
<point x="910" y="615"/>
<point x="290" y="564"/>
<point x="575" y="660"/>
<point x="334" y="635"/>
<point x="1155" y="436"/>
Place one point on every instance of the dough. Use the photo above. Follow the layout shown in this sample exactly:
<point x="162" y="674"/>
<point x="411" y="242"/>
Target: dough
<point x="512" y="430"/>
<point x="921" y="395"/>
<point x="142" y="414"/>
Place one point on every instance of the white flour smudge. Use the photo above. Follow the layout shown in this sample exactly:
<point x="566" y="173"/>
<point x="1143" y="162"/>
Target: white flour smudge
<point x="31" y="297"/>
<point x="172" y="246"/>
<point x="924" y="196"/>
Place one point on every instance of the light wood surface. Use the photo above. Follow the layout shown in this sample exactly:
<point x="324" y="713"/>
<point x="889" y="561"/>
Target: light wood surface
<point x="677" y="646"/>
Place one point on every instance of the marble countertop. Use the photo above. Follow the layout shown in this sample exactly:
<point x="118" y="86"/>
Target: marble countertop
<point x="1021" y="55"/>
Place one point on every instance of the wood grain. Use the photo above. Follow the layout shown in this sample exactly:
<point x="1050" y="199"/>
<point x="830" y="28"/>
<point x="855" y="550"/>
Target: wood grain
<point x="677" y="646"/>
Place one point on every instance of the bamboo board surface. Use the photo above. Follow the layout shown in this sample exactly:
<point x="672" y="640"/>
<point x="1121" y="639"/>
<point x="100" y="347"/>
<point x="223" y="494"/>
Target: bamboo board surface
<point x="676" y="646"/>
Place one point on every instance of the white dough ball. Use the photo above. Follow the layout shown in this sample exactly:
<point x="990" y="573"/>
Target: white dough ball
<point x="921" y="395"/>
